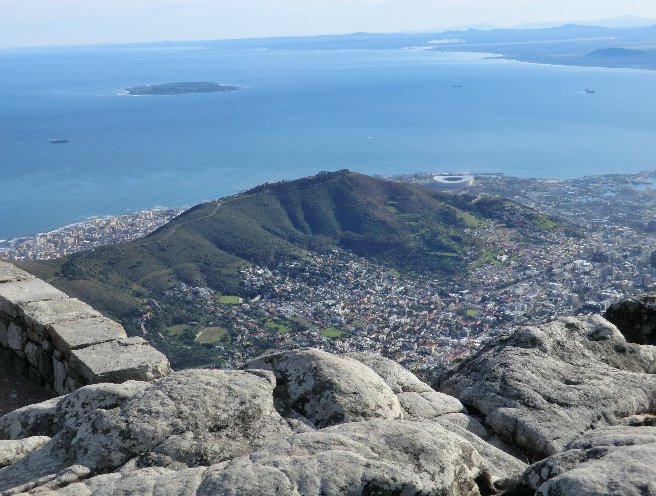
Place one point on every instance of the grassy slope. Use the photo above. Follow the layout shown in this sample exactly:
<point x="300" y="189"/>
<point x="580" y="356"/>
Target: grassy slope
<point x="401" y="225"/>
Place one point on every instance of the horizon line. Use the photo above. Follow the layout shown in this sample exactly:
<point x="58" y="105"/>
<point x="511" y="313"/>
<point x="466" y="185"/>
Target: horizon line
<point x="546" y="25"/>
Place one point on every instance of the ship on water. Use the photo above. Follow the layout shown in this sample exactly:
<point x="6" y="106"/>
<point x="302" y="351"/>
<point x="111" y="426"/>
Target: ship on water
<point x="589" y="91"/>
<point x="58" y="141"/>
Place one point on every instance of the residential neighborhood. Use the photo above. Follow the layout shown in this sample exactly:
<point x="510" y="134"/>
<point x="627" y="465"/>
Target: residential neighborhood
<point x="604" y="249"/>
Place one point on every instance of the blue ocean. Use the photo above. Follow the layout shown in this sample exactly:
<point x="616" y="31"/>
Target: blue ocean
<point x="299" y="112"/>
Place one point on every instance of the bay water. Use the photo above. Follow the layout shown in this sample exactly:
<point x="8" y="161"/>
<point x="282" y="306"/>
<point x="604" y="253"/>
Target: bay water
<point x="299" y="112"/>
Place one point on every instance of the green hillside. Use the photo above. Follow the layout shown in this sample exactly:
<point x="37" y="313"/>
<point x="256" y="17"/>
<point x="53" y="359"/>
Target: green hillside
<point x="405" y="226"/>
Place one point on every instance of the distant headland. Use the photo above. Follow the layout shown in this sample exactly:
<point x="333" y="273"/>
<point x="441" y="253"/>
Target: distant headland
<point x="179" y="89"/>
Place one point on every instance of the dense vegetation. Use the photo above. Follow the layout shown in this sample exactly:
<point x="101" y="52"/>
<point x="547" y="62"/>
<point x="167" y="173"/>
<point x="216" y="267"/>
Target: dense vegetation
<point x="404" y="226"/>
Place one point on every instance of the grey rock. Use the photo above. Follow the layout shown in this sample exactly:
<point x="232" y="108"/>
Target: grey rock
<point x="397" y="377"/>
<point x="59" y="376"/>
<point x="48" y="418"/>
<point x="73" y="408"/>
<point x="503" y="465"/>
<point x="51" y="311"/>
<point x="39" y="359"/>
<point x="647" y="419"/>
<point x="635" y="318"/>
<point x="374" y="457"/>
<point x="11" y="273"/>
<point x="457" y="422"/>
<point x="151" y="481"/>
<point x="75" y="334"/>
<point x="22" y="291"/>
<point x="72" y="385"/>
<point x="616" y="460"/>
<point x="16" y="337"/>
<point x="118" y="361"/>
<point x="190" y="418"/>
<point x="467" y="422"/>
<point x="543" y="386"/>
<point x="51" y="483"/>
<point x="371" y="457"/>
<point x="38" y="315"/>
<point x="418" y="400"/>
<point x="32" y="420"/>
<point x="428" y="405"/>
<point x="573" y="389"/>
<point x="13" y="450"/>
<point x="327" y="389"/>
<point x="4" y="340"/>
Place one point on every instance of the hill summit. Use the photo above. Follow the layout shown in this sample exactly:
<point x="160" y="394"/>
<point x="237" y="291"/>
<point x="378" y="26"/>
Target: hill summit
<point x="400" y="225"/>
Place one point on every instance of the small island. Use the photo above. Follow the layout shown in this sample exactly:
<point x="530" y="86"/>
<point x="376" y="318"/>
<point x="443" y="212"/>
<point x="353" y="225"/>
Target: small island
<point x="179" y="89"/>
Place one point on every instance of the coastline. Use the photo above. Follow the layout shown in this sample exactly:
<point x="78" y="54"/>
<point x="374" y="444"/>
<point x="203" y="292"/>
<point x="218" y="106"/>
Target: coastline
<point x="90" y="233"/>
<point x="577" y="66"/>
<point x="510" y="58"/>
<point x="96" y="231"/>
<point x="88" y="219"/>
<point x="490" y="55"/>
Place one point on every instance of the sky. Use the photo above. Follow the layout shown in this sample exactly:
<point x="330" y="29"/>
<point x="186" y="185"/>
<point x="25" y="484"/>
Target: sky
<point x="70" y="22"/>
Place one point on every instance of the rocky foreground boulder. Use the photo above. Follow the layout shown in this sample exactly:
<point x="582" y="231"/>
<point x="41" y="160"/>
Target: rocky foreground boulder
<point x="616" y="460"/>
<point x="573" y="397"/>
<point x="543" y="386"/>
<point x="298" y="422"/>
<point x="574" y="392"/>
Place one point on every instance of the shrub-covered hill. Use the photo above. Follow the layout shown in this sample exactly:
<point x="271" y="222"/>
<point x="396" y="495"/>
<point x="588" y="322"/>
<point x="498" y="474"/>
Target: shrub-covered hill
<point x="405" y="226"/>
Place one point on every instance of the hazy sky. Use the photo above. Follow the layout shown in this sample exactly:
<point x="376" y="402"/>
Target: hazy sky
<point x="55" y="22"/>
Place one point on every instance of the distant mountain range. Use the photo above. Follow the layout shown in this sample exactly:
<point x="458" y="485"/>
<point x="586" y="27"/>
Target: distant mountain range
<point x="567" y="44"/>
<point x="545" y="43"/>
<point x="621" y="22"/>
<point x="570" y="44"/>
<point x="406" y="226"/>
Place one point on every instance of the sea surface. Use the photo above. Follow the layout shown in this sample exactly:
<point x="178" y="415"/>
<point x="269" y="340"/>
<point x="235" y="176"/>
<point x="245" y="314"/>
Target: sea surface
<point x="300" y="112"/>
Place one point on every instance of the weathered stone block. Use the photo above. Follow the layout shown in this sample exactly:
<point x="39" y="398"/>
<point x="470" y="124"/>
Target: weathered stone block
<point x="16" y="337"/>
<point x="40" y="314"/>
<point x="31" y="353"/>
<point x="11" y="273"/>
<point x="39" y="359"/>
<point x="35" y="333"/>
<point x="118" y="361"/>
<point x="71" y="385"/>
<point x="3" y="334"/>
<point x="33" y="374"/>
<point x="18" y="362"/>
<point x="17" y="293"/>
<point x="76" y="334"/>
<point x="6" y="356"/>
<point x="59" y="376"/>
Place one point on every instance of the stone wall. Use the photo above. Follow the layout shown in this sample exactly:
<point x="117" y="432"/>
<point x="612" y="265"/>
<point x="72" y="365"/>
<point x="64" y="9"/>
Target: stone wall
<point x="64" y="343"/>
